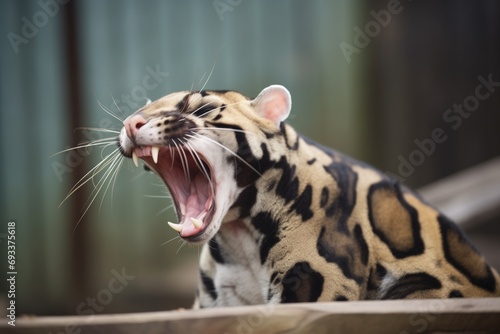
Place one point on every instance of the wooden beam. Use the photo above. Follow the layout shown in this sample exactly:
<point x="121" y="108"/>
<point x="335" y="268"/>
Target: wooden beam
<point x="398" y="316"/>
<point x="469" y="197"/>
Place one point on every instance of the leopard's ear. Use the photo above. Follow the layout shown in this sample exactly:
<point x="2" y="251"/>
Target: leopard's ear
<point x="273" y="103"/>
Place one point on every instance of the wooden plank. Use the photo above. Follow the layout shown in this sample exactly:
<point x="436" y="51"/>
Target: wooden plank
<point x="469" y="197"/>
<point x="398" y="316"/>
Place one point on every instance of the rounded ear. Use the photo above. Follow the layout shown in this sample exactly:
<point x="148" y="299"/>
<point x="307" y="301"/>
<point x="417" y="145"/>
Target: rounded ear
<point x="273" y="103"/>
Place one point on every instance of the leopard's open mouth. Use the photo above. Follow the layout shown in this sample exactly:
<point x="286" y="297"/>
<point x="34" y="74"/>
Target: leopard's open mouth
<point x="189" y="177"/>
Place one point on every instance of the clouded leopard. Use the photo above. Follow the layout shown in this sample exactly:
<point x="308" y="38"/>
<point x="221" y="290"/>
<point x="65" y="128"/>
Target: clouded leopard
<point x="284" y="219"/>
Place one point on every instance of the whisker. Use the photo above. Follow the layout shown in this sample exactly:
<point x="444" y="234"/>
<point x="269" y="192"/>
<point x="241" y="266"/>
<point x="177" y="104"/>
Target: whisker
<point x="108" y="111"/>
<point x="104" y="174"/>
<point x="116" y="105"/>
<point x="85" y="179"/>
<point x="158" y="184"/>
<point x="187" y="163"/>
<point x="113" y="179"/>
<point x="194" y="75"/>
<point x="106" y="146"/>
<point x="212" y="71"/>
<point x="112" y="170"/>
<point x="183" y="243"/>
<point x="172" y="157"/>
<point x="215" y="108"/>
<point x="166" y="242"/>
<point x="100" y="140"/>
<point x="200" y="165"/>
<point x="100" y="183"/>
<point x="227" y="149"/>
<point x="97" y="190"/>
<point x="165" y="209"/>
<point x="110" y="157"/>
<point x="208" y="112"/>
<point x="82" y="146"/>
<point x="183" y="163"/>
<point x="166" y="196"/>
<point x="158" y="196"/>
<point x="201" y="80"/>
<point x="224" y="129"/>
<point x="97" y="129"/>
<point x="109" y="168"/>
<point x="203" y="106"/>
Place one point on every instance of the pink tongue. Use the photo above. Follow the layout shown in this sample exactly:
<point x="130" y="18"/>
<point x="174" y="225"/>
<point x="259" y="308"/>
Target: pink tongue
<point x="194" y="208"/>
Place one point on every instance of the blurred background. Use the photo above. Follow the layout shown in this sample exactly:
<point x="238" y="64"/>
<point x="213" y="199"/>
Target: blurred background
<point x="370" y="78"/>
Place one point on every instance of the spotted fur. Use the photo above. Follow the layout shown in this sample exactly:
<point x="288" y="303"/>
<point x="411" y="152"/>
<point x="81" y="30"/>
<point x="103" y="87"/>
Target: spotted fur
<point x="294" y="221"/>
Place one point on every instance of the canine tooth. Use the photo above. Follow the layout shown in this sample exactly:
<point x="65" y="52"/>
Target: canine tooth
<point x="175" y="227"/>
<point x="196" y="222"/>
<point x="154" y="153"/>
<point x="135" y="158"/>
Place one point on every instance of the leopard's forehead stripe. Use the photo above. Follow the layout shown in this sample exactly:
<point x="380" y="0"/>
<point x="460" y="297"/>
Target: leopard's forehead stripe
<point x="188" y="101"/>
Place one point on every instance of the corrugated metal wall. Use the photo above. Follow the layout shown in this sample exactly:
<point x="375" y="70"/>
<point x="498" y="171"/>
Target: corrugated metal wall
<point x="91" y="52"/>
<point x="33" y="123"/>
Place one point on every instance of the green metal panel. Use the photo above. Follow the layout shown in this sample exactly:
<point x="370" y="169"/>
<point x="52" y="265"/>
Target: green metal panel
<point x="247" y="47"/>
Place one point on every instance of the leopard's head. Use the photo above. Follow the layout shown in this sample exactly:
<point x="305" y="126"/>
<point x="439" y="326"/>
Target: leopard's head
<point x="207" y="147"/>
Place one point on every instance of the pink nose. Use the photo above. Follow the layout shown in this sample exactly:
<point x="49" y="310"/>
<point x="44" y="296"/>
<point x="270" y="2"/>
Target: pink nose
<point x="133" y="124"/>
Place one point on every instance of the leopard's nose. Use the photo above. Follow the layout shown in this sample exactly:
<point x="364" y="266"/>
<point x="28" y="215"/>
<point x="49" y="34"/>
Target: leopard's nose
<point x="132" y="125"/>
